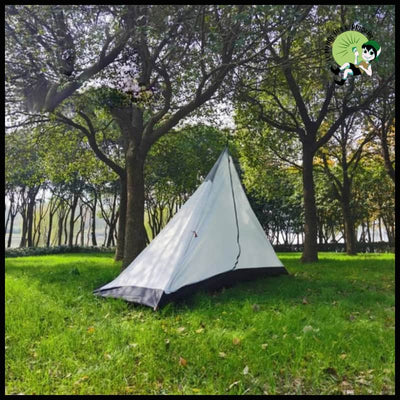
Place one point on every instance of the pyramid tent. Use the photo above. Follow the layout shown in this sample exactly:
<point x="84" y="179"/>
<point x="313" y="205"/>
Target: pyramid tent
<point x="214" y="239"/>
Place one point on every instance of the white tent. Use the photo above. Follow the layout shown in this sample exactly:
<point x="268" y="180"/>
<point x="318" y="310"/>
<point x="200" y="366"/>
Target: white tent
<point x="213" y="240"/>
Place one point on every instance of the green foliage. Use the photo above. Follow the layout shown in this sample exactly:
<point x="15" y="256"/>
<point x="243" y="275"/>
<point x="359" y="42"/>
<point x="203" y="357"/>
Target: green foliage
<point x="23" y="164"/>
<point x="327" y="328"/>
<point x="177" y="163"/>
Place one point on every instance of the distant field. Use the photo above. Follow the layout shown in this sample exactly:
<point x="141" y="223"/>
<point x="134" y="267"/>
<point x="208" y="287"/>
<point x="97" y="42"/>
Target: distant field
<point x="327" y="328"/>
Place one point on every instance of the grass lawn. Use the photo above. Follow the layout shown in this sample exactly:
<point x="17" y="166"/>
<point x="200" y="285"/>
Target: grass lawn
<point x="326" y="328"/>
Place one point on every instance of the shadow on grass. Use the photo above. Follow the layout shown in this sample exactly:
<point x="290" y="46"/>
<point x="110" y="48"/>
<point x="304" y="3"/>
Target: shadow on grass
<point x="339" y="279"/>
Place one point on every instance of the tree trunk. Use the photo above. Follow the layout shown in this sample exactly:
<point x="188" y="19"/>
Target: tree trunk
<point x="368" y="231"/>
<point x="94" y="241"/>
<point x="11" y="230"/>
<point x="89" y="228"/>
<point x="51" y="215"/>
<point x="348" y="219"/>
<point x="65" y="226"/>
<point x="24" y="227"/>
<point x="119" y="253"/>
<point x="135" y="234"/>
<point x="310" y="251"/>
<point x="60" y="228"/>
<point x="83" y="223"/>
<point x="349" y="231"/>
<point x="105" y="236"/>
<point x="110" y="239"/>
<point x="72" y="221"/>
<point x="380" y="229"/>
<point x="29" y="217"/>
<point x="8" y="219"/>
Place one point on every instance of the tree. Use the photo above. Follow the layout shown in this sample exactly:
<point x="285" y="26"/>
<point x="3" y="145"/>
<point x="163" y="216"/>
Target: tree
<point x="341" y="158"/>
<point x="179" y="57"/>
<point x="26" y="173"/>
<point x="52" y="50"/>
<point x="296" y="97"/>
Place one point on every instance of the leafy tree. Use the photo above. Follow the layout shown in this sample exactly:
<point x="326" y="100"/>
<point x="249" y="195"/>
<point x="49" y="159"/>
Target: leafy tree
<point x="341" y="158"/>
<point x="24" y="169"/>
<point x="295" y="97"/>
<point x="177" y="60"/>
<point x="52" y="50"/>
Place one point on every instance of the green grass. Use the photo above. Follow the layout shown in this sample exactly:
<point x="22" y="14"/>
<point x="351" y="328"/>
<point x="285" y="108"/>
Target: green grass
<point x="326" y="328"/>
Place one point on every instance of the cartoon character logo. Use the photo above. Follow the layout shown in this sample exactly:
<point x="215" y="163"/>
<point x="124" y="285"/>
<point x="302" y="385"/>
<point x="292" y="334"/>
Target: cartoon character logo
<point x="346" y="50"/>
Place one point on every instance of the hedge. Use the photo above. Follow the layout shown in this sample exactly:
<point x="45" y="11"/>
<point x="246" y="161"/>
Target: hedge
<point x="40" y="251"/>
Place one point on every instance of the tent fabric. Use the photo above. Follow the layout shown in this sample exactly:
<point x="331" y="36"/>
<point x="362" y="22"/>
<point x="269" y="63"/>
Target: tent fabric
<point x="213" y="240"/>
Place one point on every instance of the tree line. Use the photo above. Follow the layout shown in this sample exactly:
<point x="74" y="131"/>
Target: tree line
<point x="118" y="79"/>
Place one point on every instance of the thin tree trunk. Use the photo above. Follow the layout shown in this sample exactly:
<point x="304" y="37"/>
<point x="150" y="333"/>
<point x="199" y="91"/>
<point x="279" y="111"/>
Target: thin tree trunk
<point x="94" y="241"/>
<point x="105" y="236"/>
<point x="8" y="219"/>
<point x="310" y="251"/>
<point x="368" y="232"/>
<point x="11" y="230"/>
<point x="29" y="216"/>
<point x="83" y="223"/>
<point x="60" y="228"/>
<point x="119" y="253"/>
<point x="348" y="219"/>
<point x="380" y="229"/>
<point x="72" y="220"/>
<point x="373" y="231"/>
<point x="89" y="228"/>
<point x="51" y="215"/>
<point x="24" y="229"/>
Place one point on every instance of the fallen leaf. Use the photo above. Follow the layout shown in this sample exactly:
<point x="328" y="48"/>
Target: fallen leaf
<point x="264" y="346"/>
<point x="233" y="384"/>
<point x="182" y="362"/>
<point x="246" y="370"/>
<point x="84" y="378"/>
<point x="308" y="328"/>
